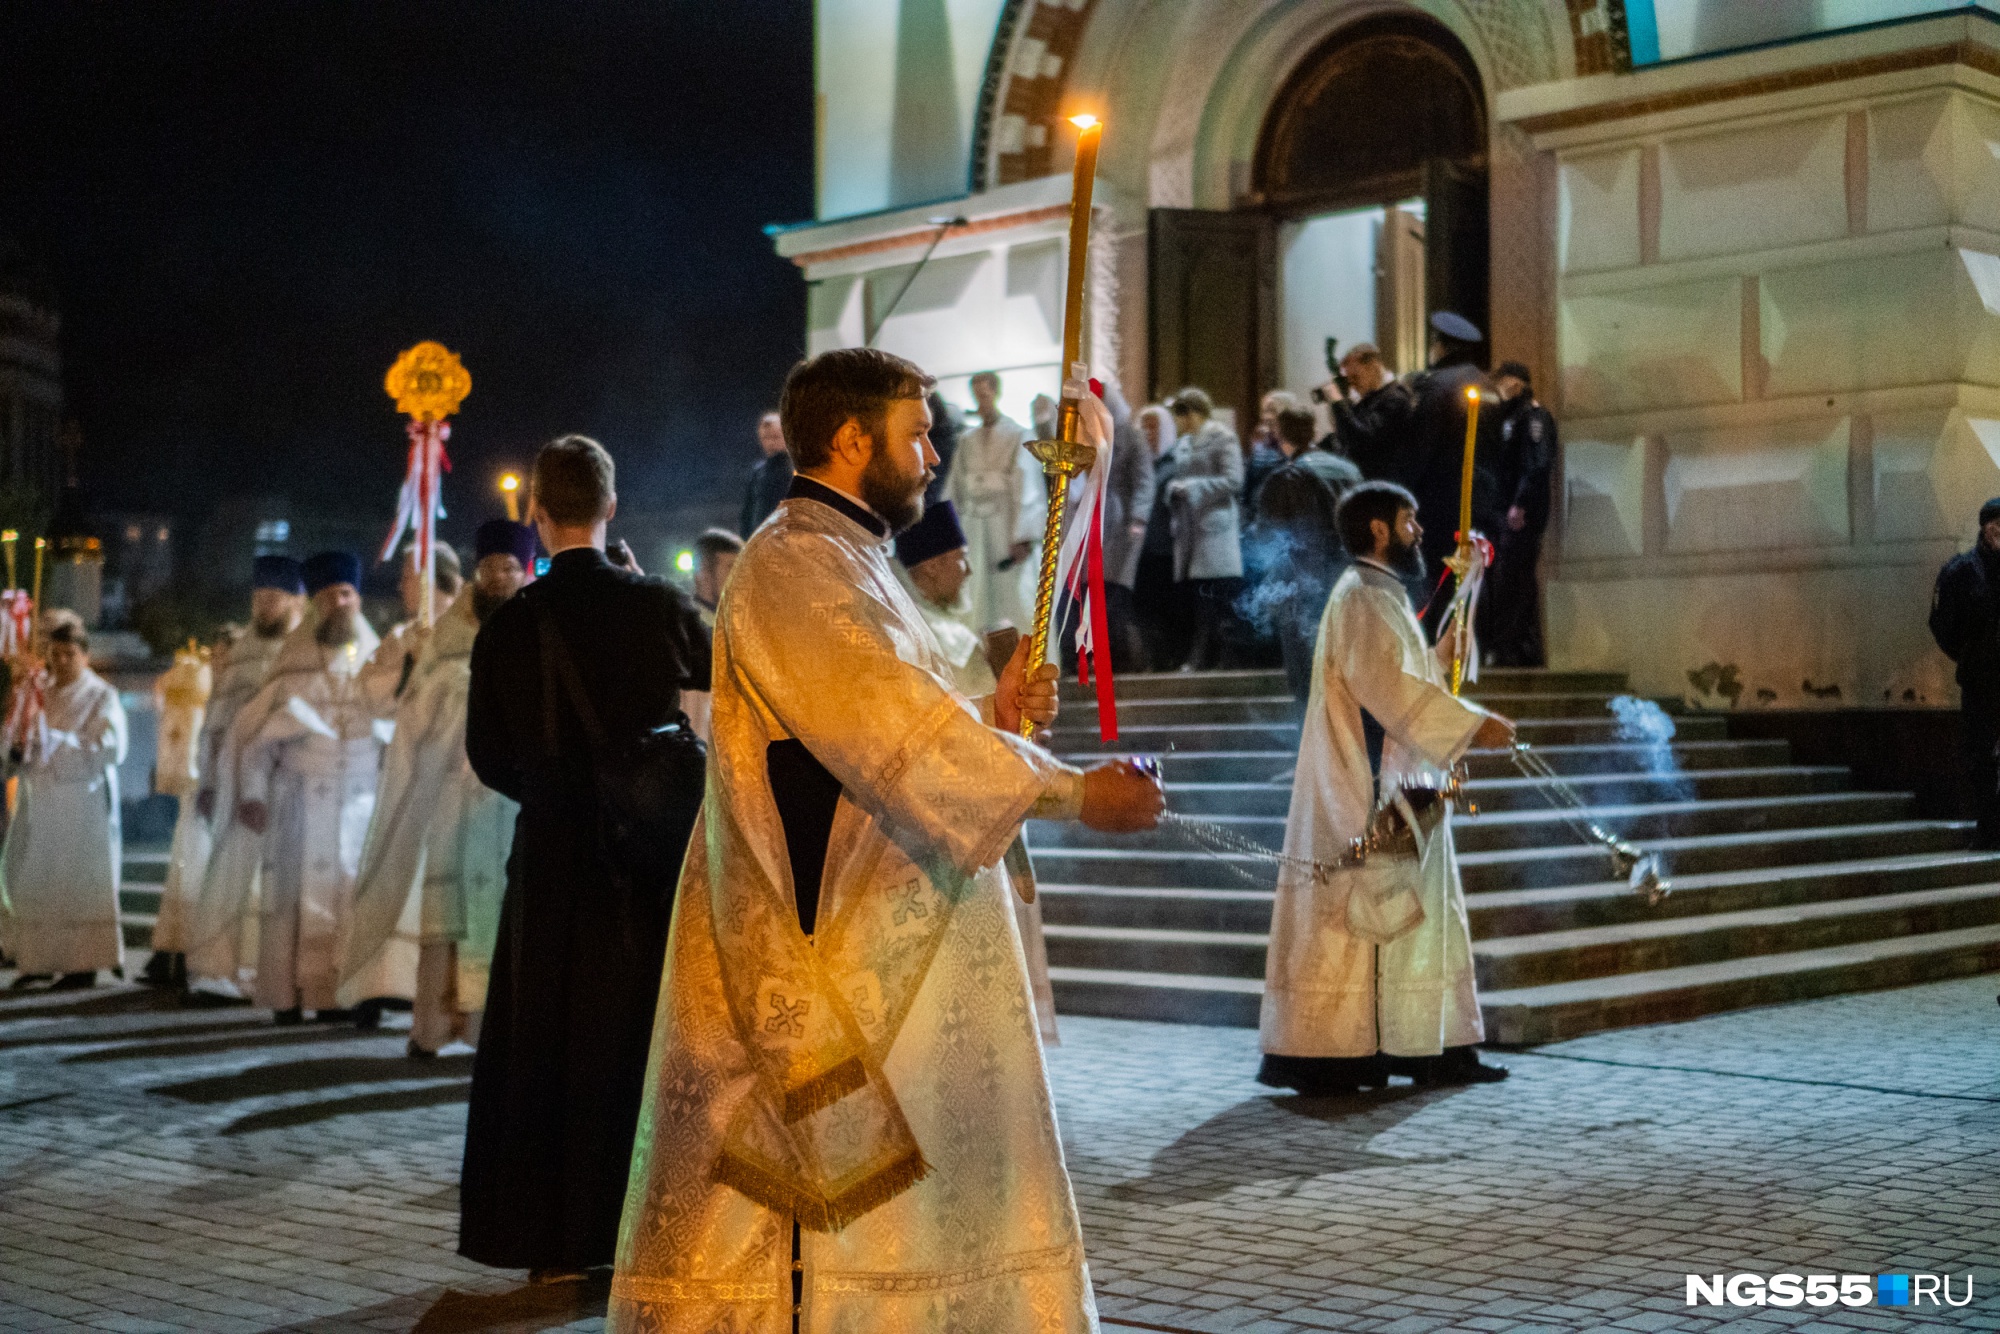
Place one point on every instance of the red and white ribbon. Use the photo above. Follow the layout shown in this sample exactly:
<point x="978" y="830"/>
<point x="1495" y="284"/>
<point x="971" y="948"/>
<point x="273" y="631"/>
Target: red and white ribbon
<point x="1080" y="572"/>
<point x="420" y="503"/>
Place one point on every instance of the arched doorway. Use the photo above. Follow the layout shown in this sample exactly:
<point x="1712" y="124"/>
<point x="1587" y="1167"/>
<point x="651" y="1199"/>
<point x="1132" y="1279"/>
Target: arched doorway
<point x="1367" y="210"/>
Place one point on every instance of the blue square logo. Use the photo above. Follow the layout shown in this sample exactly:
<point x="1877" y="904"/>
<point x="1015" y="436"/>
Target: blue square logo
<point x="1892" y="1289"/>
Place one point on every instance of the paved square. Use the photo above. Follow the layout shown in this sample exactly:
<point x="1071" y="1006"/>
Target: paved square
<point x="168" y="1169"/>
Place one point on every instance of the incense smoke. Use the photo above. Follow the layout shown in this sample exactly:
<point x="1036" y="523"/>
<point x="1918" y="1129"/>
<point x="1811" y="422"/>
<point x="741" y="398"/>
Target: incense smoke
<point x="1645" y="725"/>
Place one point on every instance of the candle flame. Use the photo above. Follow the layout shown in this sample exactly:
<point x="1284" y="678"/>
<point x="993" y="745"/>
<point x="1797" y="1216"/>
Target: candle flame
<point x="1085" y="121"/>
<point x="1472" y="393"/>
<point x="509" y="482"/>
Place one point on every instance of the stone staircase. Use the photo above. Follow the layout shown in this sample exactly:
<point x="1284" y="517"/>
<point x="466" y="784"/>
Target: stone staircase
<point x="139" y="889"/>
<point x="1787" y="883"/>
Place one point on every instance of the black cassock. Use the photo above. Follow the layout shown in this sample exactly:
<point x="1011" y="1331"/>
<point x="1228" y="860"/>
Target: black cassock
<point x="561" y="1065"/>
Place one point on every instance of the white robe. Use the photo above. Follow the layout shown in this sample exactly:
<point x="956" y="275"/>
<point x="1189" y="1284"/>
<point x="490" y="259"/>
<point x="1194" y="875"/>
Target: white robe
<point x="1326" y="992"/>
<point x="880" y="1081"/>
<point x="59" y="875"/>
<point x="970" y="672"/>
<point x="313" y="761"/>
<point x="434" y="867"/>
<point x="1001" y="498"/>
<point x="194" y="834"/>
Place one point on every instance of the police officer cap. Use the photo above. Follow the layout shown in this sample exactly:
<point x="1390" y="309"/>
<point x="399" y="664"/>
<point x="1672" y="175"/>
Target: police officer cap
<point x="1989" y="511"/>
<point x="1518" y="370"/>
<point x="1455" y="326"/>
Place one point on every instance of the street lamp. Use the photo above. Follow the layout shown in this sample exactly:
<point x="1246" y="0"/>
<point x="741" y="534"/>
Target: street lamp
<point x="510" y="488"/>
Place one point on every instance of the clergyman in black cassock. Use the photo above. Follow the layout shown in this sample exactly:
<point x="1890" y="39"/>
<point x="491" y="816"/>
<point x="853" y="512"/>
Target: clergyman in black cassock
<point x="561" y="1065"/>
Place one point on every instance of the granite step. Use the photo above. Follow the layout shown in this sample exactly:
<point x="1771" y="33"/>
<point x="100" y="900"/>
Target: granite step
<point x="1179" y="685"/>
<point x="1173" y="998"/>
<point x="1551" y="1013"/>
<point x="1504" y="913"/>
<point x="1080" y="737"/>
<point x="1612" y="758"/>
<point x="1547" y="827"/>
<point x="1519" y="868"/>
<point x="1518" y="962"/>
<point x="1520" y="912"/>
<point x="1157" y="950"/>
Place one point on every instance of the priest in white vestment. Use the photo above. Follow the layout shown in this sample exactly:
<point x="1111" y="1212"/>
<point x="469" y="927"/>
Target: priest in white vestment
<point x="59" y="873"/>
<point x="1002" y="501"/>
<point x="306" y="780"/>
<point x="434" y="868"/>
<point x="277" y="599"/>
<point x="845" y="1066"/>
<point x="388" y="668"/>
<point x="930" y="560"/>
<point x="1340" y="1012"/>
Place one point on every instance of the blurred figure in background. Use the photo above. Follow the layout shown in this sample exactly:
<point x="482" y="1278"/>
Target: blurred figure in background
<point x="715" y="551"/>
<point x="1208" y="538"/>
<point x="1372" y="411"/>
<point x="1965" y="622"/>
<point x="769" y="478"/>
<point x="60" y="869"/>
<point x="1511" y="609"/>
<point x="1303" y="554"/>
<point x="996" y="485"/>
<point x="1262" y="452"/>
<point x="1128" y="508"/>
<point x="1166" y="625"/>
<point x="237" y="665"/>
<point x="306" y="781"/>
<point x="427" y="898"/>
<point x="388" y="670"/>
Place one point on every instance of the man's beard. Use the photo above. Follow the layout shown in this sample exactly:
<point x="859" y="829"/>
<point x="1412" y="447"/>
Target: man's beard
<point x="274" y="628"/>
<point x="1406" y="560"/>
<point x="484" y="604"/>
<point x="898" y="501"/>
<point x="336" y="629"/>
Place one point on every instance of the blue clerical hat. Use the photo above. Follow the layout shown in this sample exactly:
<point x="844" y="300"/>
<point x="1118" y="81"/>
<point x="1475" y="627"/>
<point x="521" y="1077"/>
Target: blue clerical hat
<point x="279" y="572"/>
<point x="1456" y="327"/>
<point x="332" y="567"/>
<point x="504" y="537"/>
<point x="933" y="535"/>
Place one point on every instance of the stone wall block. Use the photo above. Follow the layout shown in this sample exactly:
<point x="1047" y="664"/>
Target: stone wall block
<point x="1597" y="211"/>
<point x="1674" y="345"/>
<point x="1876" y="322"/>
<point x="1762" y="488"/>
<point x="1758" y="187"/>
<point x="1604" y="497"/>
<point x="1932" y="469"/>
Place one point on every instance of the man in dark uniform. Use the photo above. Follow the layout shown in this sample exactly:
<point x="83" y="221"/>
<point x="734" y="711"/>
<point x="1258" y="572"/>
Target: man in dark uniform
<point x="769" y="478"/>
<point x="1510" y="613"/>
<point x="1432" y="463"/>
<point x="1965" y="621"/>
<point x="562" y="1054"/>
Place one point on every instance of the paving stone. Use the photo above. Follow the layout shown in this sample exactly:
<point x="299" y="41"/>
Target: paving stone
<point x="1859" y="1134"/>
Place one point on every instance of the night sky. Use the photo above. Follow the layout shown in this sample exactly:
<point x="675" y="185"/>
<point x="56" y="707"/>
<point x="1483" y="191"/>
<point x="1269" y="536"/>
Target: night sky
<point x="250" y="208"/>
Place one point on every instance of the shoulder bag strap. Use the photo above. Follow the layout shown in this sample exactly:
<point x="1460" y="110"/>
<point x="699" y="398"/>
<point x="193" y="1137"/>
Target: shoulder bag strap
<point x="558" y="665"/>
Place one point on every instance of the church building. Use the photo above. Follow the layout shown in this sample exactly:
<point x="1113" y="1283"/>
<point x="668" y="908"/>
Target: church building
<point x="1751" y="252"/>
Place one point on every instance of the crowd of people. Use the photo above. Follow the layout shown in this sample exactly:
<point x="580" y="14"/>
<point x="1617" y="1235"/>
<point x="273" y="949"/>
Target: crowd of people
<point x="1220" y="546"/>
<point x="727" y="893"/>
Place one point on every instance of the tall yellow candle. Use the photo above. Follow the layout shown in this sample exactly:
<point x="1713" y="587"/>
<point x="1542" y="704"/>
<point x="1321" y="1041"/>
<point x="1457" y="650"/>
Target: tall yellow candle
<point x="1090" y="131"/>
<point x="40" y="545"/>
<point x="1465" y="482"/>
<point x="7" y="541"/>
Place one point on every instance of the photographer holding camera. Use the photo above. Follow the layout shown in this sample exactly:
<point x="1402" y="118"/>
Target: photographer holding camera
<point x="1372" y="412"/>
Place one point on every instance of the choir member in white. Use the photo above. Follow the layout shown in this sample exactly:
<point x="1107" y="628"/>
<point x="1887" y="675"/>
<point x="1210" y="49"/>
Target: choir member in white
<point x="434" y="869"/>
<point x="277" y="600"/>
<point x="1343" y="1007"/>
<point x="306" y="777"/>
<point x="845" y="1065"/>
<point x="1001" y="499"/>
<point x="59" y="873"/>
